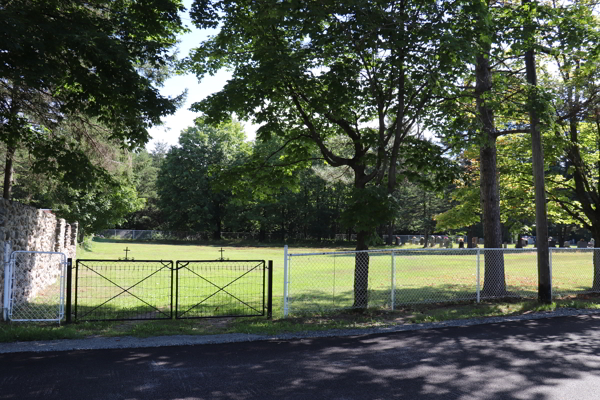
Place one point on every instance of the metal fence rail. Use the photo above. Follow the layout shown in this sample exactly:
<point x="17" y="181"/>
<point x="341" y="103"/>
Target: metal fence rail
<point x="123" y="290"/>
<point x="315" y="282"/>
<point x="220" y="288"/>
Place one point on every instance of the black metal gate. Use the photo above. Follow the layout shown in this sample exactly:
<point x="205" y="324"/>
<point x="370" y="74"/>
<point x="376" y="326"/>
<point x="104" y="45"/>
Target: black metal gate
<point x="109" y="290"/>
<point x="123" y="290"/>
<point x="222" y="288"/>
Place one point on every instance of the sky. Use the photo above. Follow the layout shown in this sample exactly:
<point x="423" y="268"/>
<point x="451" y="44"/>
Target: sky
<point x="183" y="118"/>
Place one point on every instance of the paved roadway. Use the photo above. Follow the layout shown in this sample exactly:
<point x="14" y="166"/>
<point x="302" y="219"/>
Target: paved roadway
<point x="556" y="358"/>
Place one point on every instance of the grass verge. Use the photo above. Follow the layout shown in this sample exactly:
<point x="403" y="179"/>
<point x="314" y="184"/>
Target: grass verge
<point x="349" y="319"/>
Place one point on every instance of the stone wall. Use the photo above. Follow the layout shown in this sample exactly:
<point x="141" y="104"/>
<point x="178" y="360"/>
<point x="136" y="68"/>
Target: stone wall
<point x="27" y="228"/>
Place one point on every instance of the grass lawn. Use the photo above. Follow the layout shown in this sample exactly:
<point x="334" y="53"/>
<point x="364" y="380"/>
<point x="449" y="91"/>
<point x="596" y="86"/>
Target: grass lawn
<point x="445" y="282"/>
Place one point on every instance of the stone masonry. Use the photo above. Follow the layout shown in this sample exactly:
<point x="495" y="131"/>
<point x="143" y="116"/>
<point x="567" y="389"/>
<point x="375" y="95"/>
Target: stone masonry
<point x="30" y="229"/>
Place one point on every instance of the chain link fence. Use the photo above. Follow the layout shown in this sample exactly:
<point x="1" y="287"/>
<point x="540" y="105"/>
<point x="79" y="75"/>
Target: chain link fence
<point x="36" y="286"/>
<point x="317" y="282"/>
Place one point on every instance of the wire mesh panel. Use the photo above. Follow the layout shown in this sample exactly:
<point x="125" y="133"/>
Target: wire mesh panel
<point x="508" y="273"/>
<point x="573" y="271"/>
<point x="123" y="290"/>
<point x="325" y="281"/>
<point x="37" y="286"/>
<point x="316" y="282"/>
<point x="233" y="288"/>
<point x="435" y="275"/>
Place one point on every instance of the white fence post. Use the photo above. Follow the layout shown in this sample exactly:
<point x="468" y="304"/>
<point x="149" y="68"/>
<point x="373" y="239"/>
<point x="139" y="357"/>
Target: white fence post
<point x="478" y="275"/>
<point x="285" y="281"/>
<point x="393" y="279"/>
<point x="7" y="279"/>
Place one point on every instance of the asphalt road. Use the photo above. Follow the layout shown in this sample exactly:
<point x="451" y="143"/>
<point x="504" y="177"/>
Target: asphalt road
<point x="557" y="358"/>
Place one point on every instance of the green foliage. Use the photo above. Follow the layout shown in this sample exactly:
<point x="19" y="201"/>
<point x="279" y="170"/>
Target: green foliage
<point x="68" y="65"/>
<point x="191" y="192"/>
<point x="104" y="206"/>
<point x="348" y="79"/>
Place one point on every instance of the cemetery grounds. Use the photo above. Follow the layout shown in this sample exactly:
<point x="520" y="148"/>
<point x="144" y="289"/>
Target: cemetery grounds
<point x="425" y="276"/>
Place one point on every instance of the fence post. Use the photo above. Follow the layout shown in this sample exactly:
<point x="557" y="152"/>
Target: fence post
<point x="76" y="282"/>
<point x="7" y="279"/>
<point x="478" y="275"/>
<point x="69" y="288"/>
<point x="285" y="281"/>
<point x="270" y="292"/>
<point x="550" y="262"/>
<point x="393" y="279"/>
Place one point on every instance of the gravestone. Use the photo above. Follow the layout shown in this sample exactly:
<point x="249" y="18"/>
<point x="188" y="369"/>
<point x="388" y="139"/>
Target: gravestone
<point x="461" y="245"/>
<point x="505" y="245"/>
<point x="474" y="242"/>
<point x="481" y="241"/>
<point x="422" y="241"/>
<point x="582" y="244"/>
<point x="567" y="244"/>
<point x="397" y="240"/>
<point x="592" y="243"/>
<point x="551" y="243"/>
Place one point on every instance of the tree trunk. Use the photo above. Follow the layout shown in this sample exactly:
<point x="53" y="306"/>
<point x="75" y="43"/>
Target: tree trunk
<point x="361" y="272"/>
<point x="361" y="262"/>
<point x="541" y="220"/>
<point x="8" y="172"/>
<point x="519" y="244"/>
<point x="218" y="230"/>
<point x="390" y="240"/>
<point x="596" y="262"/>
<point x="493" y="283"/>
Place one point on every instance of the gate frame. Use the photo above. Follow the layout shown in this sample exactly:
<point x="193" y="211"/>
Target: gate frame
<point x="267" y="303"/>
<point x="9" y="281"/>
<point x="165" y="264"/>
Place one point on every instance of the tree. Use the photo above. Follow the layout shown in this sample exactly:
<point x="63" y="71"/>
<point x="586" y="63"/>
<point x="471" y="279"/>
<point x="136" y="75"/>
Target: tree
<point x="572" y="41"/>
<point x="145" y="168"/>
<point x="102" y="204"/>
<point x="189" y="190"/>
<point x="351" y="79"/>
<point x="478" y="114"/>
<point x="418" y="207"/>
<point x="70" y="62"/>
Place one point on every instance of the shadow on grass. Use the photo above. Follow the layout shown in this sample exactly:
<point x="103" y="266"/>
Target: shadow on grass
<point x="318" y="301"/>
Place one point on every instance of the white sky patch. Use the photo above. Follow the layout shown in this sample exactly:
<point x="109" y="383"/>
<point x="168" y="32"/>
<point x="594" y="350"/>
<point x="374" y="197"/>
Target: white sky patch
<point x="174" y="86"/>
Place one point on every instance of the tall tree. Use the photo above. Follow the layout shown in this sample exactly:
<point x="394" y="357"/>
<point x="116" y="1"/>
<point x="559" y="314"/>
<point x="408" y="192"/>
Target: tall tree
<point x="571" y="41"/>
<point x="541" y="219"/>
<point x="188" y="184"/>
<point x="68" y="60"/>
<point x="485" y="107"/>
<point x="352" y="79"/>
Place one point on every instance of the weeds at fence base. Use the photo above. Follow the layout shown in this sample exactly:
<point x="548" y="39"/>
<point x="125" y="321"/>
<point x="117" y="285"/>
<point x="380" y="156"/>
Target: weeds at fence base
<point x="344" y="319"/>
